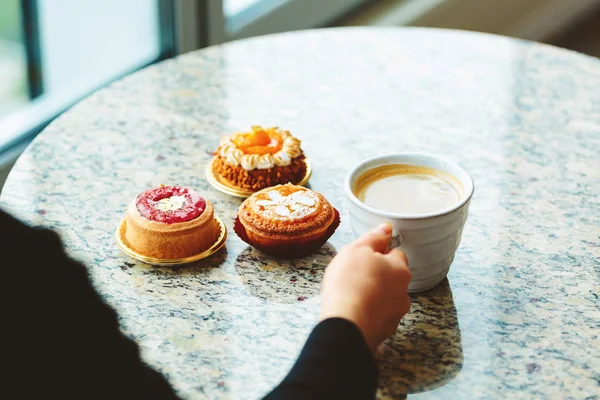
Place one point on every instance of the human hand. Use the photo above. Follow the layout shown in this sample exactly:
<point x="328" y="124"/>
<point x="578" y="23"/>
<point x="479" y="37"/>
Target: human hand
<point x="368" y="287"/>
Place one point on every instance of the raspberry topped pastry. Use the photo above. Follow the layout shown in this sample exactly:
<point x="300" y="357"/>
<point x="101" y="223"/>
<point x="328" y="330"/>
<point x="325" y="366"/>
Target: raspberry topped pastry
<point x="260" y="158"/>
<point x="286" y="220"/>
<point x="170" y="222"/>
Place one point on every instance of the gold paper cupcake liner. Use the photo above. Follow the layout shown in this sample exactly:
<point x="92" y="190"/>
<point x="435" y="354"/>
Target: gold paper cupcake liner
<point x="225" y="187"/>
<point x="124" y="246"/>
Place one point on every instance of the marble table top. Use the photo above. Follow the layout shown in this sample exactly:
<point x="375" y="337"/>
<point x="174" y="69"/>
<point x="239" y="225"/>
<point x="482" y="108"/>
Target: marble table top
<point x="518" y="316"/>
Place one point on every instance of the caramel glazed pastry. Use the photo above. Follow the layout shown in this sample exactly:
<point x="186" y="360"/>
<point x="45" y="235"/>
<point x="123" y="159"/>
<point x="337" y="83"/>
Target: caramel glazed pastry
<point x="170" y="222"/>
<point x="258" y="159"/>
<point x="286" y="215"/>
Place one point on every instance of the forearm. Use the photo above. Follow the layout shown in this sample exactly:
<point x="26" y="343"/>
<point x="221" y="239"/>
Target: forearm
<point x="335" y="363"/>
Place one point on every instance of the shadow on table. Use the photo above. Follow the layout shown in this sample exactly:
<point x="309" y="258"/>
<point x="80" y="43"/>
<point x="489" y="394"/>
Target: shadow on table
<point x="283" y="281"/>
<point x="200" y="266"/>
<point x="426" y="352"/>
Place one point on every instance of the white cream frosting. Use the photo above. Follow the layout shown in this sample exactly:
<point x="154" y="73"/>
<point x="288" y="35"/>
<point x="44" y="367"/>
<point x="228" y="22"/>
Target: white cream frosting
<point x="171" y="203"/>
<point x="233" y="156"/>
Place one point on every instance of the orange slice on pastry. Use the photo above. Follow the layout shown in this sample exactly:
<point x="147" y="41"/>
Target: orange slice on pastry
<point x="259" y="141"/>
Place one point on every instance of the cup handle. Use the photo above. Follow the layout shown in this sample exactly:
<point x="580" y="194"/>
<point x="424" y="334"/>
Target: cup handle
<point x="395" y="241"/>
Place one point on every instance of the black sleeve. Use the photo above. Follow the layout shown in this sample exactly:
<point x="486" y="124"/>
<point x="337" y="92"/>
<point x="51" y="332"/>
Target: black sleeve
<point x="60" y="339"/>
<point x="335" y="363"/>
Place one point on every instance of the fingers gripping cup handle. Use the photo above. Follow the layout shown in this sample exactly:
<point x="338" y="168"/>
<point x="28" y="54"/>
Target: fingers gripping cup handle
<point x="395" y="241"/>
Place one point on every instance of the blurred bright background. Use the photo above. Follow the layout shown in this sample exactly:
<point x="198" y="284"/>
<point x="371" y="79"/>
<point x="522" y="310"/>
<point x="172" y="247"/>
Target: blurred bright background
<point x="13" y="60"/>
<point x="55" y="52"/>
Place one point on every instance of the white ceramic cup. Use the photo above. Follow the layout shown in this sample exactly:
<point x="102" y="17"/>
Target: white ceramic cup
<point x="429" y="240"/>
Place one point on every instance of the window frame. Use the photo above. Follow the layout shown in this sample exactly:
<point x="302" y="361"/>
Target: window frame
<point x="31" y="39"/>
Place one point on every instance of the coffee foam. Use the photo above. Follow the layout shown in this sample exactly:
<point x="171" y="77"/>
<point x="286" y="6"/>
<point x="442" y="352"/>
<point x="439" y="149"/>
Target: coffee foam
<point x="417" y="173"/>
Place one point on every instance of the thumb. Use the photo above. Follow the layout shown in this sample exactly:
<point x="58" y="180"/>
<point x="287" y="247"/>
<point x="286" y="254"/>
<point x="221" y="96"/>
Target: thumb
<point x="377" y="238"/>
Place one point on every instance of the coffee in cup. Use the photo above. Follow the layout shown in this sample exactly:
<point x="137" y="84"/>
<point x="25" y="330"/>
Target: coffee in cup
<point x="408" y="189"/>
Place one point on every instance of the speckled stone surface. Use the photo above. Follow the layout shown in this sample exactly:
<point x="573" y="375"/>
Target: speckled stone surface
<point x="518" y="317"/>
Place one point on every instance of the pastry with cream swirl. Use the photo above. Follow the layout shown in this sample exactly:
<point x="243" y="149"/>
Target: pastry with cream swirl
<point x="260" y="158"/>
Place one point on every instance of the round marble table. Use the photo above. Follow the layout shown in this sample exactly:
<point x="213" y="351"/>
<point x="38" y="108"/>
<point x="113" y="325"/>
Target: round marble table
<point x="519" y="314"/>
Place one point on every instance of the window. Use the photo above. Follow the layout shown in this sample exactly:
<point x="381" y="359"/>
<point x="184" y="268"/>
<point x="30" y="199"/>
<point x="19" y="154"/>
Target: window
<point x="53" y="53"/>
<point x="237" y="19"/>
<point x="84" y="44"/>
<point x="13" y="61"/>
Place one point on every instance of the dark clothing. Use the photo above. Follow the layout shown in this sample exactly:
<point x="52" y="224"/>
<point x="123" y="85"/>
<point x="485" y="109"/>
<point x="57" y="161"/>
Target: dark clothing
<point x="335" y="363"/>
<point x="60" y="340"/>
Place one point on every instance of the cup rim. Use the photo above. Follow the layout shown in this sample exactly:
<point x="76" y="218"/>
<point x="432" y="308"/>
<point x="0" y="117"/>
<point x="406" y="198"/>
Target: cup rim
<point x="386" y="214"/>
